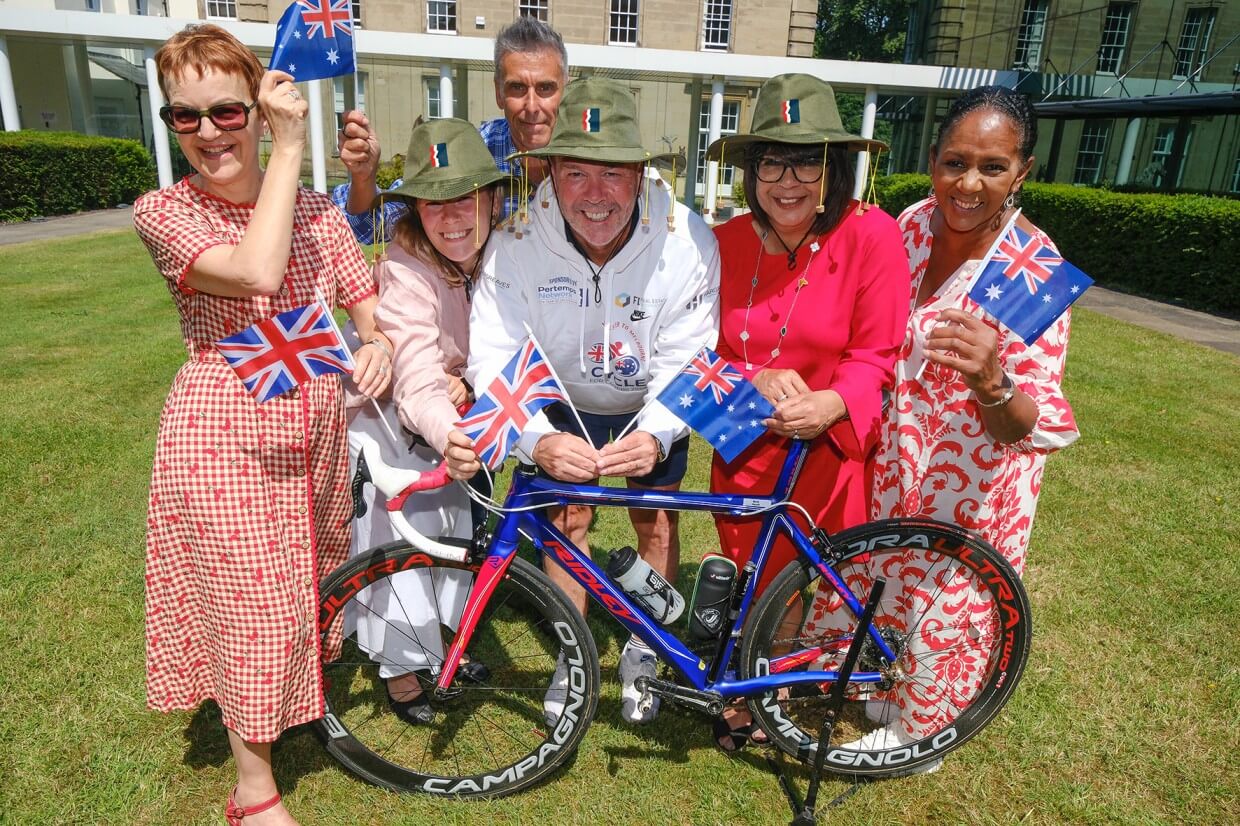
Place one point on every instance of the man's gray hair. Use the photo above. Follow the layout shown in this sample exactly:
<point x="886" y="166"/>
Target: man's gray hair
<point x="529" y="34"/>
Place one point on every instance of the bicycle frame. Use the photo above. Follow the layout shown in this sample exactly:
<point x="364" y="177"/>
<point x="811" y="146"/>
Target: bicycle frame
<point x="529" y="490"/>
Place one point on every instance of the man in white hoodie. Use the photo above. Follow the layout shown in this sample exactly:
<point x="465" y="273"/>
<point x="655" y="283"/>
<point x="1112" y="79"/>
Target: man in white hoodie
<point x="619" y="283"/>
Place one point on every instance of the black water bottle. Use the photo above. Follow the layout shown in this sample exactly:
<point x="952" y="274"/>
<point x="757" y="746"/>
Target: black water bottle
<point x="708" y="610"/>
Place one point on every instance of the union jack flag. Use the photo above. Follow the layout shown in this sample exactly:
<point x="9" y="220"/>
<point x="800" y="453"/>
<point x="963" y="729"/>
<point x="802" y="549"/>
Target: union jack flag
<point x="595" y="353"/>
<point x="277" y="354"/>
<point x="525" y="386"/>
<point x="713" y="374"/>
<point x="1026" y="256"/>
<point x="307" y="45"/>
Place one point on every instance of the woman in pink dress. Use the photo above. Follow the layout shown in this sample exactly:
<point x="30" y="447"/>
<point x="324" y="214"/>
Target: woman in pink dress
<point x="249" y="503"/>
<point x="811" y="309"/>
<point x="976" y="410"/>
<point x="424" y="292"/>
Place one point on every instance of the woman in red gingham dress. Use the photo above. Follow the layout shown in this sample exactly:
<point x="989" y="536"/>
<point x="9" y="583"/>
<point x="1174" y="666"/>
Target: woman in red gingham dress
<point x="249" y="503"/>
<point x="974" y="415"/>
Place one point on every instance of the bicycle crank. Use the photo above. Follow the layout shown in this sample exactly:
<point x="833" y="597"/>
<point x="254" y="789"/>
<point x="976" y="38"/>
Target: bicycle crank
<point x="707" y="702"/>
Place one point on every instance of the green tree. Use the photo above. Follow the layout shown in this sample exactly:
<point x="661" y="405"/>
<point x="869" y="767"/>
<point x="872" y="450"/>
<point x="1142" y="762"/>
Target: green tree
<point x="871" y="30"/>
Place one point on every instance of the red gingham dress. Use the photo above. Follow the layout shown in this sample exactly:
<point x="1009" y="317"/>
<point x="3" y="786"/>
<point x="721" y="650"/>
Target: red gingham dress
<point x="249" y="504"/>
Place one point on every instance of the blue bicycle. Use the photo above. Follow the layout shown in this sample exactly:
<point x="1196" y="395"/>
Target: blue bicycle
<point x="944" y="651"/>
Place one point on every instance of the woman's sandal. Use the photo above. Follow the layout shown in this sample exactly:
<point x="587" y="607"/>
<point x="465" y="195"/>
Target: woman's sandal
<point x="235" y="813"/>
<point x="731" y="740"/>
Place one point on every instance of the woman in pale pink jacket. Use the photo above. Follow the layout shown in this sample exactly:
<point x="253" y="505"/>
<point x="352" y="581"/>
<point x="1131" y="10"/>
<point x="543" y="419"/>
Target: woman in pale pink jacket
<point x="451" y="186"/>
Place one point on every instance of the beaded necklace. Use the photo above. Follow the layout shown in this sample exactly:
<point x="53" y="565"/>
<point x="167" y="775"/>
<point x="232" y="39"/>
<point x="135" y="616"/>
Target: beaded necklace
<point x="802" y="283"/>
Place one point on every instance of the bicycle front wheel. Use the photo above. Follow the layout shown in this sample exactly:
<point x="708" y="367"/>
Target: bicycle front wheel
<point x="490" y="737"/>
<point x="953" y="611"/>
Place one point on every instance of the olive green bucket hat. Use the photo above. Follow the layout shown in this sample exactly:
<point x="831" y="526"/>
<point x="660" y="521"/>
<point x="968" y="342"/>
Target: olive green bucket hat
<point x="596" y="121"/>
<point x="447" y="159"/>
<point x="791" y="108"/>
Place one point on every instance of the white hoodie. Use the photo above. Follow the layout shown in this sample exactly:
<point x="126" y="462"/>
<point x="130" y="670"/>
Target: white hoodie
<point x="659" y="304"/>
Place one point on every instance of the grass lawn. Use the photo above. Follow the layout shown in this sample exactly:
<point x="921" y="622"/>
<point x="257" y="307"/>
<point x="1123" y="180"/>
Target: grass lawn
<point x="1128" y="712"/>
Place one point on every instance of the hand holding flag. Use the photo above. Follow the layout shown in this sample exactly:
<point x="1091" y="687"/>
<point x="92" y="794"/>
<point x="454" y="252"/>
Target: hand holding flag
<point x="314" y="40"/>
<point x="713" y="398"/>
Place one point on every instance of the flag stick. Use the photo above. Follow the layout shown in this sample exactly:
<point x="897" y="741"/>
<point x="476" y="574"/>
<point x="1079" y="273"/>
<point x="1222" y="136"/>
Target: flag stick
<point x="651" y="398"/>
<point x="386" y="426"/>
<point x="976" y="274"/>
<point x="327" y="310"/>
<point x="551" y="368"/>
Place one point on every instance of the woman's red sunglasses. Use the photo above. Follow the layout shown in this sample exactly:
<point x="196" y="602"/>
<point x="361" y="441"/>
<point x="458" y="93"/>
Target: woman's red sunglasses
<point x="227" y="117"/>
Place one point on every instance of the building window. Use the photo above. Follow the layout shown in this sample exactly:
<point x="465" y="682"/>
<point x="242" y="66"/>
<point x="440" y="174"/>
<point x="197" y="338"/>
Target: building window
<point x="728" y="125"/>
<point x="355" y="8"/>
<point x="434" y="110"/>
<point x="221" y="9"/>
<point x="1029" y="36"/>
<point x="538" y="9"/>
<point x="622" y="30"/>
<point x="1235" y="176"/>
<point x="717" y="25"/>
<point x="1092" y="150"/>
<point x="338" y="95"/>
<point x="1114" y="37"/>
<point x="1160" y="155"/>
<point x="1194" y="43"/>
<point x="441" y="16"/>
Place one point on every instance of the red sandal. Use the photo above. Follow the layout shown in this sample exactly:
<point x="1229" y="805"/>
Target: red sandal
<point x="234" y="813"/>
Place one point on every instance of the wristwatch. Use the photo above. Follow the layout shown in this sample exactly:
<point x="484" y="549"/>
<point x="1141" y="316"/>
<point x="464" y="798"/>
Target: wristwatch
<point x="660" y="453"/>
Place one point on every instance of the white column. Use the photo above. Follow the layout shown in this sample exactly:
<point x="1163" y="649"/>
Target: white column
<point x="1124" y="173"/>
<point x="318" y="158"/>
<point x="155" y="100"/>
<point x="445" y="91"/>
<point x="712" y="167"/>
<point x="867" y="131"/>
<point x="8" y="97"/>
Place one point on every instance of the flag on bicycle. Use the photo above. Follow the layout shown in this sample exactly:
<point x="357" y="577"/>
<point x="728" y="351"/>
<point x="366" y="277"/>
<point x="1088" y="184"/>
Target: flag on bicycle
<point x="713" y="398"/>
<point x="277" y="354"/>
<point x="314" y="40"/>
<point x="1026" y="284"/>
<point x="525" y="386"/>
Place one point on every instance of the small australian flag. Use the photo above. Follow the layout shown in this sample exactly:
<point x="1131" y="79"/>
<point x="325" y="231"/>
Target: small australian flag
<point x="314" y="40"/>
<point x="1027" y="285"/>
<point x="713" y="398"/>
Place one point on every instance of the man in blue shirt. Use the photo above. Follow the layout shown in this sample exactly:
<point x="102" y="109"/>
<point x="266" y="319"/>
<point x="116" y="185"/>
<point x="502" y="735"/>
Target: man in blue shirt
<point x="531" y="68"/>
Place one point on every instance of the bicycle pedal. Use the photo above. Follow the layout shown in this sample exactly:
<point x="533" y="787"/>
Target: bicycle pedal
<point x="707" y="702"/>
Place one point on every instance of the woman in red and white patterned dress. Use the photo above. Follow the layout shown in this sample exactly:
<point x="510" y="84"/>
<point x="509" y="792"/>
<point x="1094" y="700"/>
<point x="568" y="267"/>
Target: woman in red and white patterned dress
<point x="249" y="503"/>
<point x="976" y="410"/>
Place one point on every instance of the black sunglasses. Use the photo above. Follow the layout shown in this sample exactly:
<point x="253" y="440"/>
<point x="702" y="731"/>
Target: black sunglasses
<point x="227" y="117"/>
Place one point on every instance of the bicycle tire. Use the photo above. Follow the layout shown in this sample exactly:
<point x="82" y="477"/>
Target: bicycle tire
<point x="487" y="740"/>
<point x="954" y="611"/>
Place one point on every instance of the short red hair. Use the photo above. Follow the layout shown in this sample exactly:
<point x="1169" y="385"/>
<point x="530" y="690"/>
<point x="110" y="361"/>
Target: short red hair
<point x="203" y="46"/>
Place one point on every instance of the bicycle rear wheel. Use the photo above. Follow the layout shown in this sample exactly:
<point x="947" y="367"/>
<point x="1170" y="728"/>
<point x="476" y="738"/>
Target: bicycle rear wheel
<point x="953" y="611"/>
<point x="488" y="739"/>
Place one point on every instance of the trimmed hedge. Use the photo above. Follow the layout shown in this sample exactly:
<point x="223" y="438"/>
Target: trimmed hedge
<point x="56" y="173"/>
<point x="1179" y="248"/>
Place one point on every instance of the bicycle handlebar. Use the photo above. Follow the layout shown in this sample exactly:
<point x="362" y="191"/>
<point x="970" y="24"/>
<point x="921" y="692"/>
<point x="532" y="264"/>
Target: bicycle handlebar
<point x="396" y="484"/>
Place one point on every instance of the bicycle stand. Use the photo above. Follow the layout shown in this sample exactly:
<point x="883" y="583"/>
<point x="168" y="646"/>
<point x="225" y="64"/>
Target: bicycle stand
<point x="803" y="811"/>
